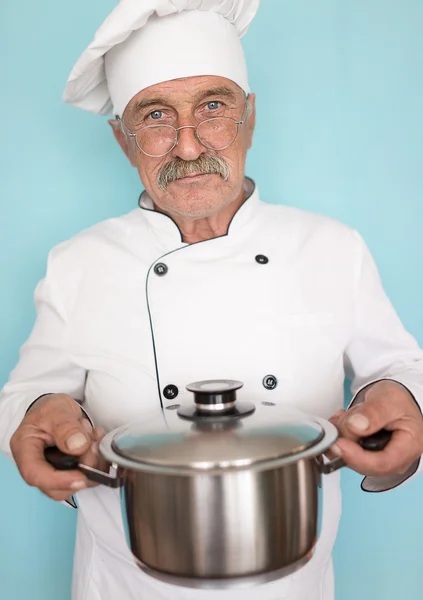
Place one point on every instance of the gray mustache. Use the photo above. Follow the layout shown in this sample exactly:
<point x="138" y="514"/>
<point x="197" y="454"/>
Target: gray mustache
<point x="178" y="168"/>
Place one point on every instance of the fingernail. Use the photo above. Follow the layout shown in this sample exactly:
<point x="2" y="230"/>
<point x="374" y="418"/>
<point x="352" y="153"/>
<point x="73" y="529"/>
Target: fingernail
<point x="359" y="422"/>
<point x="336" y="450"/>
<point x="76" y="441"/>
<point x="78" y="485"/>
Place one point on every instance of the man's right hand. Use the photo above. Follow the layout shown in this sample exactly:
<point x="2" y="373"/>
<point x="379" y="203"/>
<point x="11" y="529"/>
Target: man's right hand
<point x="55" y="420"/>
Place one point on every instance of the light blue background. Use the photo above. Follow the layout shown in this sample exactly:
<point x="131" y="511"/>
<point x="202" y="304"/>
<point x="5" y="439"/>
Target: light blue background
<point x="339" y="131"/>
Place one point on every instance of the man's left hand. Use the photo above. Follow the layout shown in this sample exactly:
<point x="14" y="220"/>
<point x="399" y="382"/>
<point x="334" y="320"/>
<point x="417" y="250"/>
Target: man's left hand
<point x="387" y="405"/>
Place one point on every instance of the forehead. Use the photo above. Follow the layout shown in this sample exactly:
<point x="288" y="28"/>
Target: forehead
<point x="187" y="89"/>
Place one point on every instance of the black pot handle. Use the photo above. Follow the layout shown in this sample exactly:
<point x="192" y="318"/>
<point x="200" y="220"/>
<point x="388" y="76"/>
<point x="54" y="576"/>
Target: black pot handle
<point x="374" y="443"/>
<point x="377" y="441"/>
<point x="65" y="462"/>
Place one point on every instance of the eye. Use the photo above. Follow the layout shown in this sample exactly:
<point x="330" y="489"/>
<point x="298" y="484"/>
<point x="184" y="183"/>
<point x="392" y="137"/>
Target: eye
<point x="156" y="114"/>
<point x="214" y="105"/>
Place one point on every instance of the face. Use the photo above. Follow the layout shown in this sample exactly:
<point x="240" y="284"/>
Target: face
<point x="192" y="181"/>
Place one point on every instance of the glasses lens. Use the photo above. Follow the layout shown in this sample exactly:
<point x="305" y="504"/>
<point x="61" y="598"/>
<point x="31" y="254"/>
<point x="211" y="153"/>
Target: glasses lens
<point x="217" y="133"/>
<point x="156" y="140"/>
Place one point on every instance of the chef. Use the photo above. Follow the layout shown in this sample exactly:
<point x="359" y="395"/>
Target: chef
<point x="202" y="280"/>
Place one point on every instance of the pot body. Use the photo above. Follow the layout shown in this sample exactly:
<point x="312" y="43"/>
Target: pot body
<point x="226" y="529"/>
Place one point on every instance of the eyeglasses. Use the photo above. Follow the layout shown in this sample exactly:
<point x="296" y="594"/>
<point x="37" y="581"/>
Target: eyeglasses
<point x="217" y="133"/>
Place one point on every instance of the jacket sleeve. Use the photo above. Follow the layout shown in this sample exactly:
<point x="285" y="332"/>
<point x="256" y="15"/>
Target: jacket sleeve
<point x="381" y="348"/>
<point x="45" y="364"/>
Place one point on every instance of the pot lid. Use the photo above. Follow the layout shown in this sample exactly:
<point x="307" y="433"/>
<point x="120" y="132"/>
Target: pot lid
<point x="218" y="449"/>
<point x="237" y="437"/>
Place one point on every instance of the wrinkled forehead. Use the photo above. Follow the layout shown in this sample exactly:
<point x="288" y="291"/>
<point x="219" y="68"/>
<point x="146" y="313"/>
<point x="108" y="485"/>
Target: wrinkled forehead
<point x="186" y="91"/>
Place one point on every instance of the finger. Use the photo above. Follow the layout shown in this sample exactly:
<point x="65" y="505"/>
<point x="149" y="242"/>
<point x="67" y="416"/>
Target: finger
<point x="334" y="420"/>
<point x="92" y="458"/>
<point x="92" y="453"/>
<point x="99" y="433"/>
<point x="37" y="472"/>
<point x="336" y="417"/>
<point x="397" y="455"/>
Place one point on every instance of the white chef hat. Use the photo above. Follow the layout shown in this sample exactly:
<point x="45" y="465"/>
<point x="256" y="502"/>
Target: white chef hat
<point x="144" y="42"/>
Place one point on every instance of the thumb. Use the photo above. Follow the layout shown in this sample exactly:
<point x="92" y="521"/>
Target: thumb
<point x="367" y="418"/>
<point x="70" y="430"/>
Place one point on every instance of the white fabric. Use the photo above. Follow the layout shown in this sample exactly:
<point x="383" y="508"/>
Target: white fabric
<point x="316" y="308"/>
<point x="145" y="42"/>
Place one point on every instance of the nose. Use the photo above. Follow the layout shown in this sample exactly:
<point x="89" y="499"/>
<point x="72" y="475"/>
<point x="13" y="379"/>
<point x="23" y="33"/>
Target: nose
<point x="188" y="146"/>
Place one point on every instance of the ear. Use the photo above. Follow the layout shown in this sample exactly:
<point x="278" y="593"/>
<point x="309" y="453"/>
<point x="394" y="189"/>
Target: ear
<point x="123" y="141"/>
<point x="251" y="120"/>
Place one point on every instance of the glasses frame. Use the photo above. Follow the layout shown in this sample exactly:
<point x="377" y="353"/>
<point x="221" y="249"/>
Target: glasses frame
<point x="178" y="129"/>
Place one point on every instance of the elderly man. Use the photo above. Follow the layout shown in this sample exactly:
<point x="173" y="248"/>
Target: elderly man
<point x="202" y="281"/>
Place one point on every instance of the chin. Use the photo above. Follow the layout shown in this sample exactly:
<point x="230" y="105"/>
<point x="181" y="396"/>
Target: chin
<point x="196" y="210"/>
<point x="198" y="201"/>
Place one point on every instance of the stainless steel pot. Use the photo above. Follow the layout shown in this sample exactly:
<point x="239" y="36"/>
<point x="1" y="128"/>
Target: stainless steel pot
<point x="219" y="493"/>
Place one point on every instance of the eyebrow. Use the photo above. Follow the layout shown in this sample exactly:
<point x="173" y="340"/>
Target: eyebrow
<point x="215" y="91"/>
<point x="218" y="91"/>
<point x="143" y="104"/>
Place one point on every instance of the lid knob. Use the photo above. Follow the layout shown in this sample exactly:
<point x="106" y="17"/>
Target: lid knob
<point x="215" y="396"/>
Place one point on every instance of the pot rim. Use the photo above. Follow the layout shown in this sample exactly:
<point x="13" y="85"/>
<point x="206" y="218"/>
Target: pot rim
<point x="330" y="436"/>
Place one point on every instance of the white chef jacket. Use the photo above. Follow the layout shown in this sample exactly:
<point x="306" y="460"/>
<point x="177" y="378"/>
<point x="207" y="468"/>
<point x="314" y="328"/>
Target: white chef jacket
<point x="128" y="314"/>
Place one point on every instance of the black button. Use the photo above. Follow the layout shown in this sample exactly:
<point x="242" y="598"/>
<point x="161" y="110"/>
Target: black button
<point x="261" y="259"/>
<point x="270" y="382"/>
<point x="160" y="269"/>
<point x="170" y="392"/>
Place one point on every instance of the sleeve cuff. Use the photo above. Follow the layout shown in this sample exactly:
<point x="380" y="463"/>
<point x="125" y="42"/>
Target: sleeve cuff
<point x="71" y="502"/>
<point x="386" y="482"/>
